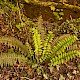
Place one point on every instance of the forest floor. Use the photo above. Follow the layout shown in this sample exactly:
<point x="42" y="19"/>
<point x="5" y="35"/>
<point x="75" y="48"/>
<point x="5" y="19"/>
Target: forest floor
<point x="68" y="71"/>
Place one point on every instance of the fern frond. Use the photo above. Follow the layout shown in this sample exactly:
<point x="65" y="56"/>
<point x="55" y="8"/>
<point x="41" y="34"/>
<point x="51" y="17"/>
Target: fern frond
<point x="11" y="59"/>
<point x="31" y="55"/>
<point x="75" y="46"/>
<point x="64" y="57"/>
<point x="55" y="41"/>
<point x="41" y="28"/>
<point x="62" y="45"/>
<point x="37" y="43"/>
<point x="47" y="46"/>
<point x="30" y="48"/>
<point x="11" y="41"/>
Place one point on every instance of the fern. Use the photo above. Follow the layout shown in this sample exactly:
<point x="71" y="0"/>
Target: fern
<point x="63" y="44"/>
<point x="57" y="39"/>
<point x="64" y="57"/>
<point x="47" y="46"/>
<point x="57" y="54"/>
<point x="43" y="50"/>
<point x="31" y="56"/>
<point x="75" y="46"/>
<point x="13" y="42"/>
<point x="11" y="58"/>
<point x="37" y="43"/>
<point x="41" y="28"/>
<point x="30" y="48"/>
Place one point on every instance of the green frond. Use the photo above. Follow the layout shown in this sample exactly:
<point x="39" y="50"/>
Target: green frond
<point x="62" y="45"/>
<point x="11" y="58"/>
<point x="37" y="43"/>
<point x="11" y="41"/>
<point x="31" y="55"/>
<point x="64" y="57"/>
<point x="47" y="46"/>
